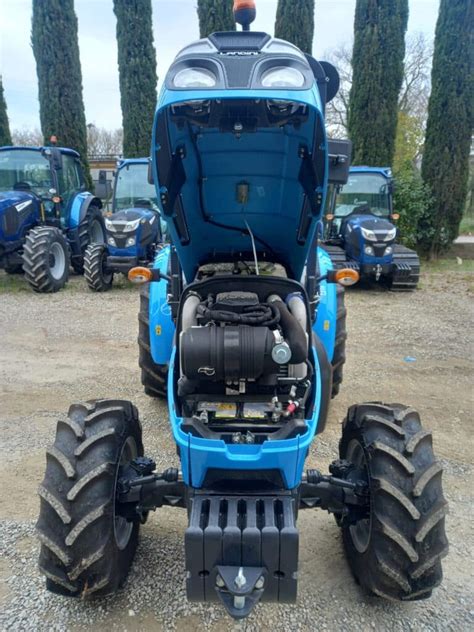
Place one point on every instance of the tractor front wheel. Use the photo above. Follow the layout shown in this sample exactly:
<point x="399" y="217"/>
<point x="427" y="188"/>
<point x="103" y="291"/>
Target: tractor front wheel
<point x="87" y="546"/>
<point x="91" y="231"/>
<point x="46" y="259"/>
<point x="98" y="277"/>
<point x="154" y="376"/>
<point x="395" y="548"/>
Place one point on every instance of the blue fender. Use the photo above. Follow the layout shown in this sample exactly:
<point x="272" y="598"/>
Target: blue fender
<point x="162" y="327"/>
<point x="326" y="315"/>
<point x="79" y="207"/>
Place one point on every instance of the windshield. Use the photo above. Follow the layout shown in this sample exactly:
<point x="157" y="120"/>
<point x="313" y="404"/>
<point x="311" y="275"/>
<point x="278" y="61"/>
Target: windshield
<point x="132" y="186"/>
<point x="362" y="189"/>
<point x="24" y="170"/>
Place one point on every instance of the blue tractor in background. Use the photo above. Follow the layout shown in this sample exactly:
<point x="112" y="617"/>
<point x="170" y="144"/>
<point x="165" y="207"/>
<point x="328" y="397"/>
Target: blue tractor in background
<point x="47" y="218"/>
<point x="133" y="229"/>
<point x="238" y="327"/>
<point x="359" y="230"/>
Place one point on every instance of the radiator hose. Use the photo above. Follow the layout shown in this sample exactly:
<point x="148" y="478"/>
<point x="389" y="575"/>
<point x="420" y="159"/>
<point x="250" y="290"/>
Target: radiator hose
<point x="292" y="331"/>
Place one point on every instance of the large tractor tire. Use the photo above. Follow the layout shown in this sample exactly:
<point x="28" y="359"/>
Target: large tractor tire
<point x="339" y="357"/>
<point x="46" y="259"/>
<point x="91" y="231"/>
<point x="395" y="550"/>
<point x="154" y="376"/>
<point x="98" y="278"/>
<point x="87" y="548"/>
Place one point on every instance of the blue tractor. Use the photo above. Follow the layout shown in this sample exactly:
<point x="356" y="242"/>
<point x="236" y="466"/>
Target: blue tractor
<point x="360" y="233"/>
<point x="133" y="229"/>
<point x="239" y="325"/>
<point x="47" y="218"/>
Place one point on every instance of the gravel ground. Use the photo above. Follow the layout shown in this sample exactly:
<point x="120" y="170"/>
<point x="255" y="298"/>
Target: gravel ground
<point x="414" y="348"/>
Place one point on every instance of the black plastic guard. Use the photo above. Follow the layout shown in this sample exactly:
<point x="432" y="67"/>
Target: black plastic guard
<point x="245" y="532"/>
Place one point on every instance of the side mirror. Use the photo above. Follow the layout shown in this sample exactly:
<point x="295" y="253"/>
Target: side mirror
<point x="56" y="159"/>
<point x="151" y="179"/>
<point x="340" y="152"/>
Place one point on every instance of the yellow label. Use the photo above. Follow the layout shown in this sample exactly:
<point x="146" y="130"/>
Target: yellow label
<point x="327" y="325"/>
<point x="158" y="330"/>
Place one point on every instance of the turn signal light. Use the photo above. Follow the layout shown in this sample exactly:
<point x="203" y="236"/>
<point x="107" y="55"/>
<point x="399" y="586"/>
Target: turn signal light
<point x="329" y="217"/>
<point x="140" y="275"/>
<point x="346" y="277"/>
<point x="395" y="216"/>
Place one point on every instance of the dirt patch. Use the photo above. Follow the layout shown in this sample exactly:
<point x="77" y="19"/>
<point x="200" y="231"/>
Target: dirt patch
<point x="411" y="348"/>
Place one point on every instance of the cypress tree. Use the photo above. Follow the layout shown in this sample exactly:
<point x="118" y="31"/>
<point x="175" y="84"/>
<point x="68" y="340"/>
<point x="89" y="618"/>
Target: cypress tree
<point x="215" y="15"/>
<point x="5" y="136"/>
<point x="377" y="60"/>
<point x="295" y="23"/>
<point x="58" y="67"/>
<point x="137" y="73"/>
<point x="445" y="165"/>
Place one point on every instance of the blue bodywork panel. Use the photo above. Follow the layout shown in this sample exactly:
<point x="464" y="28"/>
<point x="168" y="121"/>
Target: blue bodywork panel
<point x="267" y="160"/>
<point x="23" y="211"/>
<point x="326" y="311"/>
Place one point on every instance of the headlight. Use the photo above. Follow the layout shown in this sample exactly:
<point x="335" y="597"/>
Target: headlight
<point x="131" y="226"/>
<point x="195" y="78"/>
<point x="109" y="225"/>
<point x="388" y="251"/>
<point x="368" y="234"/>
<point x="111" y="241"/>
<point x="392" y="233"/>
<point x="369" y="250"/>
<point x="131" y="241"/>
<point x="283" y="77"/>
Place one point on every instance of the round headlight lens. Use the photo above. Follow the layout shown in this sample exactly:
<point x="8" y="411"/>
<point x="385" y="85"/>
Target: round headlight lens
<point x="283" y="77"/>
<point x="195" y="78"/>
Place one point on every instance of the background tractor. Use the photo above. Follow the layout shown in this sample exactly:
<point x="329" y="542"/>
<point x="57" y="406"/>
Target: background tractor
<point x="360" y="233"/>
<point x="133" y="229"/>
<point x="241" y="328"/>
<point x="47" y="218"/>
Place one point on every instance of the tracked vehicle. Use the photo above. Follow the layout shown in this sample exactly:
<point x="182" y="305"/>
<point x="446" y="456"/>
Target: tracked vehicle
<point x="239" y="324"/>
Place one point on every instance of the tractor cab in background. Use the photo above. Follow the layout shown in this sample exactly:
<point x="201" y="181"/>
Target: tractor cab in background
<point x="360" y="232"/>
<point x="47" y="217"/>
<point x="133" y="229"/>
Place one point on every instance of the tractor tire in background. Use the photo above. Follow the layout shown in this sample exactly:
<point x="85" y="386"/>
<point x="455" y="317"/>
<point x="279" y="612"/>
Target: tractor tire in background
<point x="395" y="550"/>
<point x="339" y="357"/>
<point x="98" y="278"/>
<point x="46" y="259"/>
<point x="87" y="547"/>
<point x="91" y="231"/>
<point x="154" y="376"/>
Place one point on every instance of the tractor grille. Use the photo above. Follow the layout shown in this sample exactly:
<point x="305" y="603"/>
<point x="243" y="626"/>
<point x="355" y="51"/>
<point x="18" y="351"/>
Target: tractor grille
<point x="10" y="221"/>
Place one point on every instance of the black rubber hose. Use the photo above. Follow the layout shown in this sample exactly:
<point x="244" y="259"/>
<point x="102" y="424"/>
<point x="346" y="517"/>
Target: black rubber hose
<point x="293" y="333"/>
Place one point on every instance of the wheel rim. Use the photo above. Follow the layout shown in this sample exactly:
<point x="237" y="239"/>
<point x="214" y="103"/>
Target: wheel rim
<point x="361" y="531"/>
<point x="96" y="232"/>
<point x="57" y="261"/>
<point x="122" y="528"/>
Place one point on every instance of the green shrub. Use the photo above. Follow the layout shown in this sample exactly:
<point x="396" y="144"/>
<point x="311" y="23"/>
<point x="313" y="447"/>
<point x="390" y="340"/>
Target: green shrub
<point x="412" y="202"/>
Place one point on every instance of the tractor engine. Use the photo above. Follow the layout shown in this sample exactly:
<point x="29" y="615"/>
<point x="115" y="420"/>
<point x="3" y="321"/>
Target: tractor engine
<point x="244" y="365"/>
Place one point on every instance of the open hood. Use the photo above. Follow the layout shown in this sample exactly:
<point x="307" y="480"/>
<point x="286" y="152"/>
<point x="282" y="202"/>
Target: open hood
<point x="241" y="160"/>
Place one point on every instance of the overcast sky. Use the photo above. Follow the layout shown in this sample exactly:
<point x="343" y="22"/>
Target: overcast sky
<point x="174" y="25"/>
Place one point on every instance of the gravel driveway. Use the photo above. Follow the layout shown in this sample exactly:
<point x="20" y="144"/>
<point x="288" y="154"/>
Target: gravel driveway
<point x="411" y="348"/>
